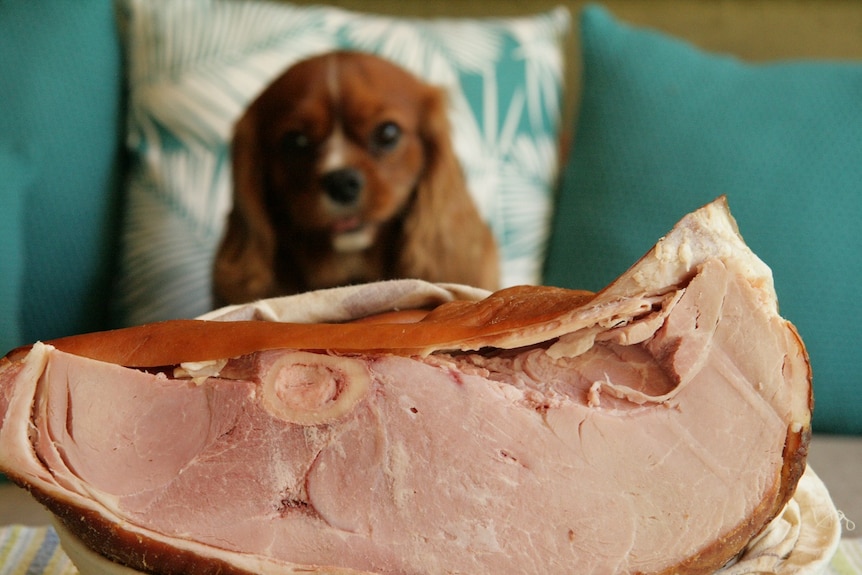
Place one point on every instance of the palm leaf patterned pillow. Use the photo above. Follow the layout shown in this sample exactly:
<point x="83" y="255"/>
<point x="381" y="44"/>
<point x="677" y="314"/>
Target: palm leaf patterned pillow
<point x="193" y="66"/>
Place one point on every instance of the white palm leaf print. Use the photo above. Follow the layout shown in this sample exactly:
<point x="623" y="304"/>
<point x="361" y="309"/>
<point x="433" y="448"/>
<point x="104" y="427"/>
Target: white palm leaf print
<point x="528" y="218"/>
<point x="427" y="48"/>
<point x="543" y="66"/>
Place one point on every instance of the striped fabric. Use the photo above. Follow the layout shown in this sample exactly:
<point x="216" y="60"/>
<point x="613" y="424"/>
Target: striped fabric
<point x="35" y="551"/>
<point x="32" y="551"/>
<point x="848" y="558"/>
<point x="193" y="65"/>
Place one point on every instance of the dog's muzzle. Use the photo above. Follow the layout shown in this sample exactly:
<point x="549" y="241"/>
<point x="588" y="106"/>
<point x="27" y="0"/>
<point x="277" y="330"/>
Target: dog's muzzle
<point x="349" y="233"/>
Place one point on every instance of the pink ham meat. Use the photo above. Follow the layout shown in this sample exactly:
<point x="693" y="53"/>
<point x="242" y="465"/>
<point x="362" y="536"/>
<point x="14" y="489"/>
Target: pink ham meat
<point x="654" y="427"/>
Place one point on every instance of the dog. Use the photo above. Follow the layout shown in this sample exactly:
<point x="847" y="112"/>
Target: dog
<point x="344" y="172"/>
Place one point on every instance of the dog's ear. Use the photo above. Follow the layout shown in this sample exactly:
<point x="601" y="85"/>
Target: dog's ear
<point x="445" y="238"/>
<point x="243" y="267"/>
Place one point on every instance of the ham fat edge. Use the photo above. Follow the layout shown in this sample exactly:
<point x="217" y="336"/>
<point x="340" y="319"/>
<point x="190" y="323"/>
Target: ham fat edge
<point x="653" y="427"/>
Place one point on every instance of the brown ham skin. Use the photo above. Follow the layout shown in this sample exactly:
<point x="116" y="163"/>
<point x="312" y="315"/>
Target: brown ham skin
<point x="716" y="555"/>
<point x="458" y="325"/>
<point x="124" y="547"/>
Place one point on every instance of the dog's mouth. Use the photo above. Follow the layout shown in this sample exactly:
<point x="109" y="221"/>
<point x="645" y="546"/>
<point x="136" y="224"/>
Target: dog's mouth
<point x="352" y="234"/>
<point x="347" y="224"/>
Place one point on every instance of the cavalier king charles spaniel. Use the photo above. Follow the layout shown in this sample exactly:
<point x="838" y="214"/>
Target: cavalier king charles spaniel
<point x="344" y="172"/>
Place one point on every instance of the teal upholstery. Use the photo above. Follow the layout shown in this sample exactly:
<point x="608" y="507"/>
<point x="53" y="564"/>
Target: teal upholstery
<point x="664" y="128"/>
<point x="15" y="178"/>
<point x="60" y="129"/>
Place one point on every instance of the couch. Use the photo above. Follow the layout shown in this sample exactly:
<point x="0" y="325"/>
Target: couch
<point x="653" y="109"/>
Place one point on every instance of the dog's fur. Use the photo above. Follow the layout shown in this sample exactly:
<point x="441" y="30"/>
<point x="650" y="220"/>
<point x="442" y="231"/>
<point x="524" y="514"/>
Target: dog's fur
<point x="344" y="172"/>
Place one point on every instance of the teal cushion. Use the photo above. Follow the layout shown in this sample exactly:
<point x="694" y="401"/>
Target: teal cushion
<point x="60" y="88"/>
<point x="664" y="127"/>
<point x="195" y="65"/>
<point x="14" y="178"/>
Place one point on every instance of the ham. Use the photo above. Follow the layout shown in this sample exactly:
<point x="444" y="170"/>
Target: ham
<point x="653" y="427"/>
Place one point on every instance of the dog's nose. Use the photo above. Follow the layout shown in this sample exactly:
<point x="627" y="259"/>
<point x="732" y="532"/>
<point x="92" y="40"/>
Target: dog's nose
<point x="343" y="186"/>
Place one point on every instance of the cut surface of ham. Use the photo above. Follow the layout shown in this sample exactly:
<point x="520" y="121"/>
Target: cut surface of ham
<point x="654" y="427"/>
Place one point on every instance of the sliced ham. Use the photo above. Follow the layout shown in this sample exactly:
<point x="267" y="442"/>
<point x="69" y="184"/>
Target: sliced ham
<point x="654" y="427"/>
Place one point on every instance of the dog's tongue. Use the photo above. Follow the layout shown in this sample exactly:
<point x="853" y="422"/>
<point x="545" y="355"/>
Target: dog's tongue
<point x="346" y="224"/>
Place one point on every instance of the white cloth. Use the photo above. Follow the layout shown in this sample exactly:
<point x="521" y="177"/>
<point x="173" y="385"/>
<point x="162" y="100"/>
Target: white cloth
<point x="800" y="541"/>
<point x="347" y="303"/>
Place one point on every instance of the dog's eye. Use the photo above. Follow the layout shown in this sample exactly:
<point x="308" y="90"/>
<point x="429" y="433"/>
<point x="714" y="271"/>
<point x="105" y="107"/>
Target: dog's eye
<point x="294" y="142"/>
<point x="386" y="136"/>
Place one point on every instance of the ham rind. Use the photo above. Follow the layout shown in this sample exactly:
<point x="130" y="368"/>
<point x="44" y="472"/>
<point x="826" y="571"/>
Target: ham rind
<point x="654" y="427"/>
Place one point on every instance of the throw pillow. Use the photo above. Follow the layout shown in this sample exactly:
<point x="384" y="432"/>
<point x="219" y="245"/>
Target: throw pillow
<point x="195" y="64"/>
<point x="60" y="95"/>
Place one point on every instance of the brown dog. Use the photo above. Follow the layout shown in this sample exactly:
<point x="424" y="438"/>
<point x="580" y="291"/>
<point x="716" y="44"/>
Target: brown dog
<point x="344" y="172"/>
